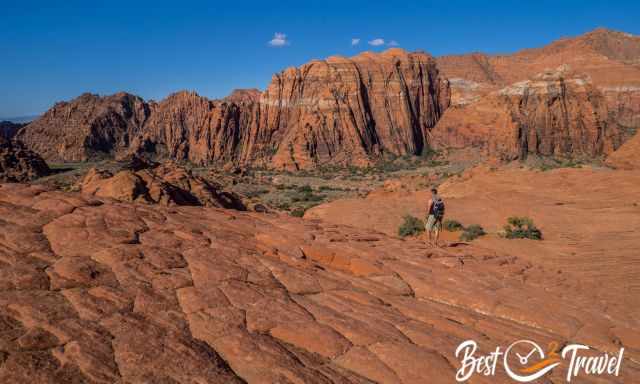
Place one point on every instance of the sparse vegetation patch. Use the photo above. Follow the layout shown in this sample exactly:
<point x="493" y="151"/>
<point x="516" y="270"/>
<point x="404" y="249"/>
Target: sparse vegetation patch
<point x="452" y="225"/>
<point x="472" y="232"/>
<point x="411" y="226"/>
<point x="521" y="228"/>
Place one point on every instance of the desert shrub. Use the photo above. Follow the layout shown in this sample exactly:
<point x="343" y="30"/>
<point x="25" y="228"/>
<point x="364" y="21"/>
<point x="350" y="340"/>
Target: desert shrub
<point x="549" y="164"/>
<point x="411" y="226"/>
<point x="282" y="205"/>
<point x="252" y="193"/>
<point x="472" y="232"/>
<point x="452" y="225"/>
<point x="306" y="196"/>
<point x="298" y="212"/>
<point x="428" y="153"/>
<point x="305" y="189"/>
<point x="521" y="228"/>
<point x="437" y="163"/>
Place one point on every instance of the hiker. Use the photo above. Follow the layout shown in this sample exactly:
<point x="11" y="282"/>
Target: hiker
<point x="435" y="213"/>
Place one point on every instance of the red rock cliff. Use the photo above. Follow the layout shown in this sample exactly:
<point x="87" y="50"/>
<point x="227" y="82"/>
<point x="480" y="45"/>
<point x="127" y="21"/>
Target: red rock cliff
<point x="186" y="126"/>
<point x="349" y="111"/>
<point x="555" y="114"/>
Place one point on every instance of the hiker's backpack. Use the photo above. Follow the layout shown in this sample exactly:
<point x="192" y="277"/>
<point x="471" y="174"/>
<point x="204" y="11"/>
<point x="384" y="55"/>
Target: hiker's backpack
<point x="438" y="208"/>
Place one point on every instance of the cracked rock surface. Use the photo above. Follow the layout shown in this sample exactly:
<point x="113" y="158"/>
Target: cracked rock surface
<point x="97" y="291"/>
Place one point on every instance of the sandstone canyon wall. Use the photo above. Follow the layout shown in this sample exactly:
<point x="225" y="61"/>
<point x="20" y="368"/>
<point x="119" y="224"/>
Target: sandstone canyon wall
<point x="186" y="126"/>
<point x="347" y="110"/>
<point x="576" y="97"/>
<point x="556" y="113"/>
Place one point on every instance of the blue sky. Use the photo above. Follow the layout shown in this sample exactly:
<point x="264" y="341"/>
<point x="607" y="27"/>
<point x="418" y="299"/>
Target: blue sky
<point x="53" y="52"/>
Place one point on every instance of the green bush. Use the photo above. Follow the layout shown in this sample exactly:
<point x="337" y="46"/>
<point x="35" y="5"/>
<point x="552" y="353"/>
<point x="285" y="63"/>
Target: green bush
<point x="452" y="225"/>
<point x="521" y="228"/>
<point x="411" y="226"/>
<point x="472" y="232"/>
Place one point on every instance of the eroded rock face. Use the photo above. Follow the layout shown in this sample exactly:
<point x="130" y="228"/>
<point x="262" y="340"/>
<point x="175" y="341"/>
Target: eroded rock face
<point x="18" y="164"/>
<point x="104" y="292"/>
<point x="186" y="126"/>
<point x="352" y="110"/>
<point x="557" y="113"/>
<point x="166" y="184"/>
<point x="579" y="120"/>
<point x="87" y="127"/>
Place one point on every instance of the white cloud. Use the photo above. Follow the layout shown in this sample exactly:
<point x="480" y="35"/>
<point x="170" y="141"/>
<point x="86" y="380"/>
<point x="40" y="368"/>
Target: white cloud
<point x="279" y="40"/>
<point x="376" y="42"/>
<point x="393" y="43"/>
<point x="355" y="41"/>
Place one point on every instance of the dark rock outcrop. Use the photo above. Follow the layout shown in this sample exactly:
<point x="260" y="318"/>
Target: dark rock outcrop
<point x="18" y="164"/>
<point x="87" y="127"/>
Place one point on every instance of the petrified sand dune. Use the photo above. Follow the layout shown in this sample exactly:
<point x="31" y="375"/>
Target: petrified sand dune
<point x="608" y="57"/>
<point x="588" y="218"/>
<point x="97" y="291"/>
<point x="627" y="156"/>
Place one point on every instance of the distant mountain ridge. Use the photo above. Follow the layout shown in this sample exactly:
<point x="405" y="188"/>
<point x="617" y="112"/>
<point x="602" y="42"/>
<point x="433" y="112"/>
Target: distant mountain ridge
<point x="8" y="129"/>
<point x="20" y="119"/>
<point x="576" y="97"/>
